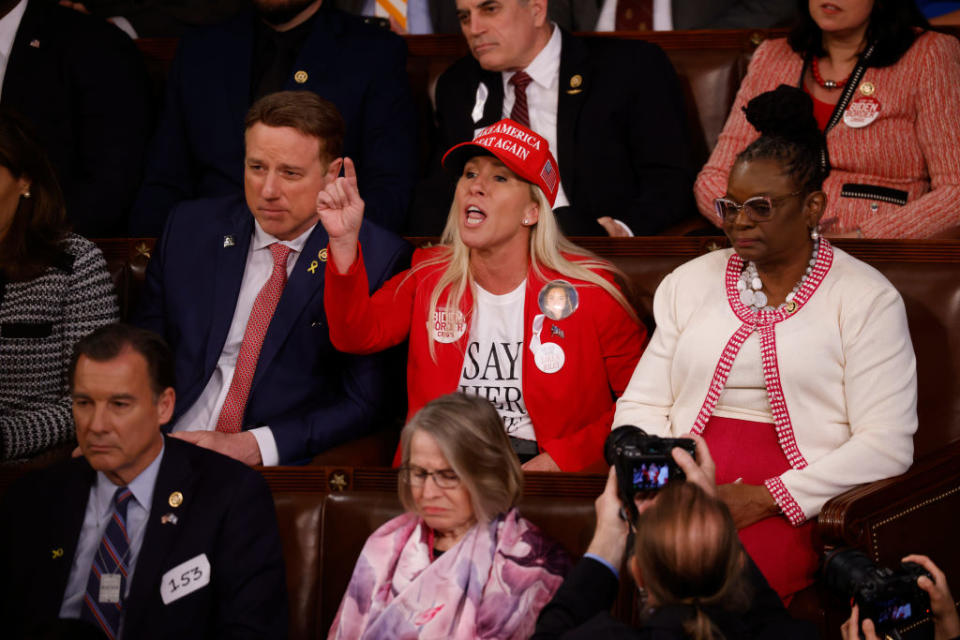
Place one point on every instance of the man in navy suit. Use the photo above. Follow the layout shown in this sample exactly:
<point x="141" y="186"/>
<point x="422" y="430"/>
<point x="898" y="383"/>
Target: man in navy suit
<point x="239" y="297"/>
<point x="284" y="44"/>
<point x="143" y="536"/>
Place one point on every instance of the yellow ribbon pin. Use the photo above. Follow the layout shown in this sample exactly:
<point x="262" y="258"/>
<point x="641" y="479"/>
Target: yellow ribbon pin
<point x="57" y="553"/>
<point x="313" y="266"/>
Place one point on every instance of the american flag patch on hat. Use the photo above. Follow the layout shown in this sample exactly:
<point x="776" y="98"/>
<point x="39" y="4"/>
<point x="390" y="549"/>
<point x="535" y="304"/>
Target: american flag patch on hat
<point x="549" y="176"/>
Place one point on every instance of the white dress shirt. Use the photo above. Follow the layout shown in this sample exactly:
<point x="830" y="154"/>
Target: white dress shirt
<point x="8" y="33"/>
<point x="542" y="96"/>
<point x="205" y="412"/>
<point x="95" y="520"/>
<point x="662" y="16"/>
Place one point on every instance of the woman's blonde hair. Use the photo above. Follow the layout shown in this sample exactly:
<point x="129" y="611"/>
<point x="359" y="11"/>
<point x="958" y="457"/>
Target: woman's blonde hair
<point x="548" y="247"/>
<point x="470" y="434"/>
<point x="688" y="552"/>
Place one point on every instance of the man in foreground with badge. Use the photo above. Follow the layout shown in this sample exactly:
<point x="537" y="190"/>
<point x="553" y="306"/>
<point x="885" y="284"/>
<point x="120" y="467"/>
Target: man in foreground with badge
<point x="506" y="307"/>
<point x="235" y="286"/>
<point x="143" y="536"/>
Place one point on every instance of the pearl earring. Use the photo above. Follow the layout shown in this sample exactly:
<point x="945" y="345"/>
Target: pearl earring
<point x="26" y="194"/>
<point x="526" y="221"/>
<point x="815" y="233"/>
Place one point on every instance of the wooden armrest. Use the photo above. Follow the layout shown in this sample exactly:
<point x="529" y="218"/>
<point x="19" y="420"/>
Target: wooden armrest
<point x="912" y="512"/>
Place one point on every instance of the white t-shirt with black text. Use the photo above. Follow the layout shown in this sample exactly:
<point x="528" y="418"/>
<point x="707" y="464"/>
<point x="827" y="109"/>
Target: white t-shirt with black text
<point x="493" y="363"/>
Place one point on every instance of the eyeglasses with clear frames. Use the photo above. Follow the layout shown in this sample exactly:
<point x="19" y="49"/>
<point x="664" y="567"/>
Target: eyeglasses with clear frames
<point x="758" y="208"/>
<point x="417" y="476"/>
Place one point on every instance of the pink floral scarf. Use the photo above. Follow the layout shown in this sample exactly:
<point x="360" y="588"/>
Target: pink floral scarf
<point x="491" y="584"/>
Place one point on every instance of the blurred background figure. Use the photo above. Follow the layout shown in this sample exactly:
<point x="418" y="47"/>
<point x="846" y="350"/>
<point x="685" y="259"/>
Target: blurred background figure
<point x="83" y="85"/>
<point x="54" y="289"/>
<point x="159" y="18"/>
<point x="886" y="93"/>
<point x="666" y="15"/>
<point x="791" y="357"/>
<point x="462" y="562"/>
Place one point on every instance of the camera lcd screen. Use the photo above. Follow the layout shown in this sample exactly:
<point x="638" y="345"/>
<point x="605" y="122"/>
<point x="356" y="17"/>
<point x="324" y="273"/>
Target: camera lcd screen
<point x="894" y="610"/>
<point x="651" y="475"/>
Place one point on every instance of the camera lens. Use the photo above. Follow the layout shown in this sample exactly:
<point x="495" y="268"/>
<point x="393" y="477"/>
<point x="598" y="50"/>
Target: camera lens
<point x="845" y="569"/>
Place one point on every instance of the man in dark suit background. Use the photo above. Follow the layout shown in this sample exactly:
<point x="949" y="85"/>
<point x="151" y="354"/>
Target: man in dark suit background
<point x="612" y="111"/>
<point x="220" y="71"/>
<point x="239" y="297"/>
<point x="143" y="536"/>
<point x="82" y="83"/>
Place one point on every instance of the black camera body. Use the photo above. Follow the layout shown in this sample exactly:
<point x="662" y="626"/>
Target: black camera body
<point x="890" y="598"/>
<point x="643" y="462"/>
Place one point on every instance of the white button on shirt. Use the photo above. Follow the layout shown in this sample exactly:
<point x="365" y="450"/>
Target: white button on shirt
<point x="203" y="415"/>
<point x="8" y="33"/>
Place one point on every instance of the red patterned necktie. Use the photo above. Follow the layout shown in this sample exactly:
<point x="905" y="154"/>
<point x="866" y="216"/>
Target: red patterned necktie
<point x="519" y="113"/>
<point x="634" y="15"/>
<point x="231" y="415"/>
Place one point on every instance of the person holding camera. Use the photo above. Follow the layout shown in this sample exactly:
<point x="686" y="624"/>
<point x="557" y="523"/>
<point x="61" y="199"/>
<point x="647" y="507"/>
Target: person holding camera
<point x="792" y="358"/>
<point x="946" y="622"/>
<point x="693" y="576"/>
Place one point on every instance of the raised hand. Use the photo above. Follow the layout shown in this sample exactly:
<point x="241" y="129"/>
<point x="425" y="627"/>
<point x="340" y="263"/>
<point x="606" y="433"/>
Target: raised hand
<point x="340" y="208"/>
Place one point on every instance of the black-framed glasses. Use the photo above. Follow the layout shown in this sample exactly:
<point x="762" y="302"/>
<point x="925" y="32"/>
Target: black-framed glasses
<point x="417" y="476"/>
<point x="758" y="208"/>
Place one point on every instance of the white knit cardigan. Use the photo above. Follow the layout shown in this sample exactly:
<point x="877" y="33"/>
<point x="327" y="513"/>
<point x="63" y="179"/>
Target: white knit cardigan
<point x="839" y="371"/>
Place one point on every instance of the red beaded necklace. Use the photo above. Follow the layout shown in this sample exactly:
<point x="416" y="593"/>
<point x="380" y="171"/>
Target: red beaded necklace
<point x="826" y="84"/>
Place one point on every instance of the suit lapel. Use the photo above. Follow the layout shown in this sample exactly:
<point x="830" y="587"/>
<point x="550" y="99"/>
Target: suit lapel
<point x="69" y="521"/>
<point x="493" y="108"/>
<point x="25" y="57"/>
<point x="235" y="76"/>
<point x="228" y="274"/>
<point x="175" y="474"/>
<point x="575" y="80"/>
<point x="319" y="54"/>
<point x="301" y="287"/>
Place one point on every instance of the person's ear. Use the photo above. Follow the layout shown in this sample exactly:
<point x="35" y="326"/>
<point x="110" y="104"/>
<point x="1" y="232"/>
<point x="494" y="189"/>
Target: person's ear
<point x="165" y="403"/>
<point x="814" y="207"/>
<point x="531" y="215"/>
<point x="539" y="10"/>
<point x="333" y="170"/>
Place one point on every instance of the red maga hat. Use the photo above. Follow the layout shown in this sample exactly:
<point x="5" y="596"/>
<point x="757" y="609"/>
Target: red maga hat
<point x="524" y="152"/>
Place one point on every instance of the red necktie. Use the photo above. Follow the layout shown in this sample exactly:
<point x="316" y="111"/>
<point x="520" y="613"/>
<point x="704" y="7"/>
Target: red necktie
<point x="231" y="415"/>
<point x="634" y="15"/>
<point x="519" y="113"/>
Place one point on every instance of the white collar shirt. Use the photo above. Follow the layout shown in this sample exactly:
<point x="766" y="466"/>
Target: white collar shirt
<point x="542" y="97"/>
<point x="203" y="415"/>
<point x="9" y="25"/>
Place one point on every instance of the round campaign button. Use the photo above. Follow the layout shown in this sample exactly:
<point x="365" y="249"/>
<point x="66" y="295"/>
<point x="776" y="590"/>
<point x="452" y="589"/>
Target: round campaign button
<point x="448" y="325"/>
<point x="549" y="357"/>
<point x="861" y="112"/>
<point x="558" y="299"/>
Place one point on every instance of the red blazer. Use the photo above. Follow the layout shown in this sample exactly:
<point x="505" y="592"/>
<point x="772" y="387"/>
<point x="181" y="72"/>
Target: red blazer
<point x="571" y="409"/>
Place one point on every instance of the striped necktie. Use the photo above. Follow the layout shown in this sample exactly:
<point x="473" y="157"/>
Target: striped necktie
<point x="396" y="9"/>
<point x="520" y="113"/>
<point x="103" y="600"/>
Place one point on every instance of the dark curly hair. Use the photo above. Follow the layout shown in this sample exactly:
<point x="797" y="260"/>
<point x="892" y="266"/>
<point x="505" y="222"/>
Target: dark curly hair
<point x="894" y="26"/>
<point x="789" y="134"/>
<point x="32" y="243"/>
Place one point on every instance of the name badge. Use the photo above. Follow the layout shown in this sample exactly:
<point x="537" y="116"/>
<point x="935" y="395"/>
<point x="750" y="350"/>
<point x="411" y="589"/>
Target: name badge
<point x="110" y="588"/>
<point x="185" y="578"/>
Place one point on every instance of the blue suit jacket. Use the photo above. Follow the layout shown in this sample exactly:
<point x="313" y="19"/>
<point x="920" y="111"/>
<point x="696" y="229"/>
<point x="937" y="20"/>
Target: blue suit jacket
<point x="227" y="513"/>
<point x="198" y="149"/>
<point x="311" y="396"/>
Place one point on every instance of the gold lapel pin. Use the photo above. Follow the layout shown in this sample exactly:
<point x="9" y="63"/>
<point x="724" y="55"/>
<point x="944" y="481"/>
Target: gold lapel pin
<point x="57" y="553"/>
<point x="575" y="81"/>
<point x="175" y="499"/>
<point x="313" y="266"/>
<point x="300" y="77"/>
<point x="867" y="88"/>
<point x="322" y="255"/>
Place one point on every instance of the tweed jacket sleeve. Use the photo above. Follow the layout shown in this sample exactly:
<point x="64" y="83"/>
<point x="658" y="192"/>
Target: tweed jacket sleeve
<point x="40" y="320"/>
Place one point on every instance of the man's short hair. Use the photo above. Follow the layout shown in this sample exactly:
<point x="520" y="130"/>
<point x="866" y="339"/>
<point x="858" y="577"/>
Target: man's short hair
<point x="107" y="342"/>
<point x="304" y="111"/>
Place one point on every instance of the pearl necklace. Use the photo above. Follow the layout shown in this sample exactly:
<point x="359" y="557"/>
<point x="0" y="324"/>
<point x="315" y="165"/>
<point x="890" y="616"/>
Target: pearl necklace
<point x="751" y="287"/>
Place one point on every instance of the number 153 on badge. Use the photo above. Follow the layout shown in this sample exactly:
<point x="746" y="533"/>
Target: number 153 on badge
<point x="185" y="578"/>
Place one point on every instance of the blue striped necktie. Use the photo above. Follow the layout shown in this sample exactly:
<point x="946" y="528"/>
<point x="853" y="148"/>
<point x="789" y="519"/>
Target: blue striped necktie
<point x="111" y="559"/>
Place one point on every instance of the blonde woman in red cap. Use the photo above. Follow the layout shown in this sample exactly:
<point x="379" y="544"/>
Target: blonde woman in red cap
<point x="481" y="310"/>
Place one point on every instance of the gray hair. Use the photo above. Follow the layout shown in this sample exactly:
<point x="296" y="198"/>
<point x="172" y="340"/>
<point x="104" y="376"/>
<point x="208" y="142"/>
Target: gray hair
<point x="470" y="434"/>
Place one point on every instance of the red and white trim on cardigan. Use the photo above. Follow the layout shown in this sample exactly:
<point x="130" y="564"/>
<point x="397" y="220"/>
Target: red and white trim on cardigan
<point x="765" y="323"/>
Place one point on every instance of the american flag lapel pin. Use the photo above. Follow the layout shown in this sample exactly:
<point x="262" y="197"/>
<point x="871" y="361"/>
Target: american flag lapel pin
<point x="35" y="43"/>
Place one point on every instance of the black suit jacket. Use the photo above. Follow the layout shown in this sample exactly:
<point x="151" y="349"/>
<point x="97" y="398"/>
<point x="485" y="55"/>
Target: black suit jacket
<point x="622" y="143"/>
<point x="733" y="14"/>
<point x="311" y="396"/>
<point x="198" y="150"/>
<point x="227" y="513"/>
<point x="83" y="85"/>
<point x="580" y="610"/>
